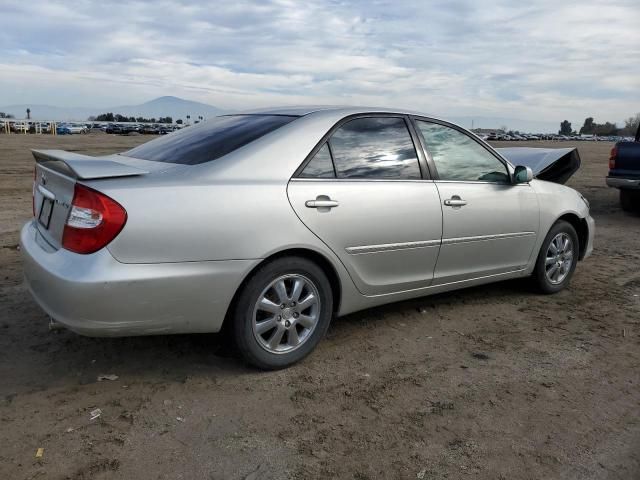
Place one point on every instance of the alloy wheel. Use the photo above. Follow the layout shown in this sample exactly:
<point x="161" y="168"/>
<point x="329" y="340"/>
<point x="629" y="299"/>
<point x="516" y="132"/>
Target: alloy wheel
<point x="559" y="258"/>
<point x="286" y="313"/>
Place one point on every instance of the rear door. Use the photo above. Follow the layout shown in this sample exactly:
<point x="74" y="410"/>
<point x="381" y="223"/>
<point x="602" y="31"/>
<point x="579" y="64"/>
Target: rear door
<point x="362" y="192"/>
<point x="489" y="224"/>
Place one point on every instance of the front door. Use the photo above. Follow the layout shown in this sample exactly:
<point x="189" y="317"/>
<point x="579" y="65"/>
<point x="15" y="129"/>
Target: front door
<point x="489" y="224"/>
<point x="362" y="193"/>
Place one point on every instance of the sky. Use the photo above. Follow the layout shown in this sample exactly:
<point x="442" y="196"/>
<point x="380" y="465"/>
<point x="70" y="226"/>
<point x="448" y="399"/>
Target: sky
<point x="541" y="60"/>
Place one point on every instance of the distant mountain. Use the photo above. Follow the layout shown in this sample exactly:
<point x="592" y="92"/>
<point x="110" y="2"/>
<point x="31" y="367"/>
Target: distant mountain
<point x="179" y="108"/>
<point x="160" y="107"/>
<point x="167" y="106"/>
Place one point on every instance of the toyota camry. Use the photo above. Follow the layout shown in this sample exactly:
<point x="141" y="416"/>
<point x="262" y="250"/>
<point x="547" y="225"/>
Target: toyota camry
<point x="271" y="223"/>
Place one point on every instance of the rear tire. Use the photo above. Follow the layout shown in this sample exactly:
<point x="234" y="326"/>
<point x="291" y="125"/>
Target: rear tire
<point x="282" y="313"/>
<point x="629" y="200"/>
<point x="557" y="258"/>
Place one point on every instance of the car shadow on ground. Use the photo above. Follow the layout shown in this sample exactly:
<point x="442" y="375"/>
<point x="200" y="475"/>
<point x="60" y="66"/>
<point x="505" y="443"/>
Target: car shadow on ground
<point x="507" y="290"/>
<point x="62" y="358"/>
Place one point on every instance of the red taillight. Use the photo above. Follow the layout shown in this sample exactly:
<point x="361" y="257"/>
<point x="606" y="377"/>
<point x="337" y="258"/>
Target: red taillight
<point x="612" y="158"/>
<point x="93" y="222"/>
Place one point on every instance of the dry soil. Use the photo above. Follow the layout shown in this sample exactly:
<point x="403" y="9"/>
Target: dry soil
<point x="495" y="382"/>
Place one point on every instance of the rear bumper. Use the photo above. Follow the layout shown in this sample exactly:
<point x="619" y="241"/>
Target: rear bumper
<point x="621" y="182"/>
<point x="96" y="295"/>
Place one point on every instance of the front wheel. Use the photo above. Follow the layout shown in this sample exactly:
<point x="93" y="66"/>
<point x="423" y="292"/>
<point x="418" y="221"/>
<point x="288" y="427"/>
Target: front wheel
<point x="282" y="312"/>
<point x="557" y="258"/>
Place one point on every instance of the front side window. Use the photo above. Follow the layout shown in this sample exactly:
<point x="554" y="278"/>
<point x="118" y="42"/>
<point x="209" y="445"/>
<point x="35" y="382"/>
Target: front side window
<point x="458" y="157"/>
<point x="374" y="147"/>
<point x="209" y="140"/>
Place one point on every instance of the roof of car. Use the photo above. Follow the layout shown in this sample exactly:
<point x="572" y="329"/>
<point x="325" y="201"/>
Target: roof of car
<point x="302" y="110"/>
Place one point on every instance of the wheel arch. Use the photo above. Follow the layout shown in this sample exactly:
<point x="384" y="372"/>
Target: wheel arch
<point x="318" y="258"/>
<point x="581" y="228"/>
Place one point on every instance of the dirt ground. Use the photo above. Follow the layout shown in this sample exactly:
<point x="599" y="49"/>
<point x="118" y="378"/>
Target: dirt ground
<point x="495" y="382"/>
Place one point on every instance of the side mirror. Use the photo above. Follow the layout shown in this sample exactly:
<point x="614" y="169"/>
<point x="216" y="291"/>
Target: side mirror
<point x="522" y="174"/>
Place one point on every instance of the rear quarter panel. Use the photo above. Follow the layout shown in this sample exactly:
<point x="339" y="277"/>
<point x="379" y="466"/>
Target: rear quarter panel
<point x="205" y="222"/>
<point x="225" y="221"/>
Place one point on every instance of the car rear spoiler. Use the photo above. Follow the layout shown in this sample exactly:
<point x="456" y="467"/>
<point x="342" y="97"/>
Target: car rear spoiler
<point x="84" y="167"/>
<point x="550" y="164"/>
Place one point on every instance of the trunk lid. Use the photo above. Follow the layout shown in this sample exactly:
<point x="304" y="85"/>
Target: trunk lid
<point x="56" y="174"/>
<point x="85" y="167"/>
<point x="551" y="164"/>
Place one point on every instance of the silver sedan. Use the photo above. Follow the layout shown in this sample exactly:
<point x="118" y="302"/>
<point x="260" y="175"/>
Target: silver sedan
<point x="273" y="222"/>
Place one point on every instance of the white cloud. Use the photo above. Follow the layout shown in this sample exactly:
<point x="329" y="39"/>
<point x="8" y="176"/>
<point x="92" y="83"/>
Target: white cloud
<point x="542" y="60"/>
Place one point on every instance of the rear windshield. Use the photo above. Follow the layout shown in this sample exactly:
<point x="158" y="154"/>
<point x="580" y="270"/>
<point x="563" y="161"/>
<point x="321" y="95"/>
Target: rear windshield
<point x="209" y="140"/>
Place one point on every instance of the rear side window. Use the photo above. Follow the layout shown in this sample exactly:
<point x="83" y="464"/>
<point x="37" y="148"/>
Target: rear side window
<point x="374" y="147"/>
<point x="320" y="165"/>
<point x="209" y="140"/>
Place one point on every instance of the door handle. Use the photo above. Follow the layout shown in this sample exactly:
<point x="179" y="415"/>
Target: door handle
<point x="322" y="201"/>
<point x="455" y="202"/>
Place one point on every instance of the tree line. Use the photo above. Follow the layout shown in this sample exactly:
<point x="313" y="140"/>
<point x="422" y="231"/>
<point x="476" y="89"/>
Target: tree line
<point x="606" y="129"/>
<point x="110" y="117"/>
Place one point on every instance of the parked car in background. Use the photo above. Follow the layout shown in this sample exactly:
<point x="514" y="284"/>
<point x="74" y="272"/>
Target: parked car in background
<point x="78" y="128"/>
<point x="19" y="127"/>
<point x="62" y="129"/>
<point x="113" y="128"/>
<point x="129" y="128"/>
<point x="150" y="129"/>
<point x="624" y="172"/>
<point x="275" y="221"/>
<point x="75" y="128"/>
